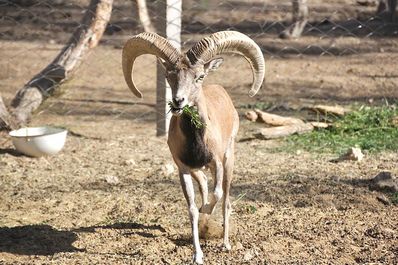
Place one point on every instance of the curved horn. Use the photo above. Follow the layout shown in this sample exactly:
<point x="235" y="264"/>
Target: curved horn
<point x="231" y="42"/>
<point x="145" y="43"/>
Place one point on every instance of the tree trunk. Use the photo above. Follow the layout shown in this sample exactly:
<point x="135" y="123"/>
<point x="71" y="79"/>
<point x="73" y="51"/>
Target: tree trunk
<point x="283" y="131"/>
<point x="386" y="9"/>
<point x="334" y="110"/>
<point x="144" y="16"/>
<point x="6" y="121"/>
<point x="170" y="28"/>
<point x="300" y="18"/>
<point x="276" y="120"/>
<point x="44" y="84"/>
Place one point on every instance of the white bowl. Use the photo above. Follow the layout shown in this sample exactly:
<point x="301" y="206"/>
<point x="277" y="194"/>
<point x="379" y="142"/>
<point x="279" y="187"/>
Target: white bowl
<point x="39" y="141"/>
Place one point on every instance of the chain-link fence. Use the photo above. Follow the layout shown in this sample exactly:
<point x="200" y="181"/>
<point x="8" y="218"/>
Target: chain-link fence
<point x="346" y="52"/>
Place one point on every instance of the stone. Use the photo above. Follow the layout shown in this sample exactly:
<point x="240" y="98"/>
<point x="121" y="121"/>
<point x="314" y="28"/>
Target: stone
<point x="113" y="180"/>
<point x="353" y="153"/>
<point x="168" y="169"/>
<point x="130" y="162"/>
<point x="238" y="246"/>
<point x="248" y="255"/>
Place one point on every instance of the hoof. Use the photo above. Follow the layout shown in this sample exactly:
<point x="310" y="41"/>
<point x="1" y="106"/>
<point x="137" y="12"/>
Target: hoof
<point x="198" y="258"/>
<point x="227" y="247"/>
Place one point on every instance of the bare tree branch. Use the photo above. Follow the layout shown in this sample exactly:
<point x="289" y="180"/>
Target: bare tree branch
<point x="300" y="19"/>
<point x="43" y="85"/>
<point x="144" y="16"/>
<point x="6" y="121"/>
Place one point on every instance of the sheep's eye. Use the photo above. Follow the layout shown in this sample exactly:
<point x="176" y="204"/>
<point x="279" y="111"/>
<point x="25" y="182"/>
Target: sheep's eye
<point x="171" y="75"/>
<point x="200" y="78"/>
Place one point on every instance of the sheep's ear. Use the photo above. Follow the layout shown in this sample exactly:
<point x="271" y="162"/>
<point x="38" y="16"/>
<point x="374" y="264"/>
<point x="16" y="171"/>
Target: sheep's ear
<point x="213" y="64"/>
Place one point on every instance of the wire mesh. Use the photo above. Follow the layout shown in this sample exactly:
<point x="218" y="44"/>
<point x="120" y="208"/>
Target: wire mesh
<point x="346" y="52"/>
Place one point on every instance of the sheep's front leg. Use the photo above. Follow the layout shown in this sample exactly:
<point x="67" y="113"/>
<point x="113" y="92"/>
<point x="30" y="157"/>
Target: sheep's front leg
<point x="187" y="188"/>
<point x="228" y="168"/>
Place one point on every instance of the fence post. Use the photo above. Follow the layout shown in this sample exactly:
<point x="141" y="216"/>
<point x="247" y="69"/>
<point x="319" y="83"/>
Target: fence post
<point x="171" y="28"/>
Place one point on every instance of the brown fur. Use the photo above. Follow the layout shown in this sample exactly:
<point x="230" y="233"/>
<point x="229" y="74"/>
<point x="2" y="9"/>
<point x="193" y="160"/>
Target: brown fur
<point x="222" y="121"/>
<point x="216" y="143"/>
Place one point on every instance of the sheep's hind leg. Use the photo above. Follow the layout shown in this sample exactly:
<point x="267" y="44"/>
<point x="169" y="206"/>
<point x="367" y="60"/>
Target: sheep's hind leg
<point x="188" y="190"/>
<point x="201" y="178"/>
<point x="217" y="172"/>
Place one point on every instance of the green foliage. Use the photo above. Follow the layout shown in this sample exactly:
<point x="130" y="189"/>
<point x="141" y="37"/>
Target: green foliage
<point x="193" y="113"/>
<point x="257" y="105"/>
<point x="251" y="209"/>
<point x="394" y="198"/>
<point x="370" y="128"/>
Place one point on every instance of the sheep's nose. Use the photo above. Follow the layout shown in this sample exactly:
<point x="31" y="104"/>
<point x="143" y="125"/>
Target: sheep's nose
<point x="177" y="101"/>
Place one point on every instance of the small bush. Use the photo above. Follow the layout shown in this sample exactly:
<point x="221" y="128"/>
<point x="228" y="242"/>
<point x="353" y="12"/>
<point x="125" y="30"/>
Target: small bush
<point x="370" y="128"/>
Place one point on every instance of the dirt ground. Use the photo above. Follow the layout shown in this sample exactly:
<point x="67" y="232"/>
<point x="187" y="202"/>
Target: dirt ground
<point x="289" y="207"/>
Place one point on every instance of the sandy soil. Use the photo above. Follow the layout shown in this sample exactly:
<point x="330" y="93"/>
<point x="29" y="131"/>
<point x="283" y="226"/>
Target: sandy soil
<point x="289" y="208"/>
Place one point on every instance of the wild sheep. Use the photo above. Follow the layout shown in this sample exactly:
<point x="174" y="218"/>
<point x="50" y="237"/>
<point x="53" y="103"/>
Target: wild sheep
<point x="211" y="146"/>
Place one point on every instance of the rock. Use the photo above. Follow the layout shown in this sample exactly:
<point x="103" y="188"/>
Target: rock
<point x="129" y="162"/>
<point x="354" y="153"/>
<point x="113" y="180"/>
<point x="251" y="115"/>
<point x="210" y="226"/>
<point x="384" y="181"/>
<point x="168" y="169"/>
<point x="248" y="255"/>
<point x="238" y="246"/>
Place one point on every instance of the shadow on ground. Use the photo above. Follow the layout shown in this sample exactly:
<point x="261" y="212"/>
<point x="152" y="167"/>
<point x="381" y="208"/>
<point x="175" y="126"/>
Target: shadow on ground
<point x="10" y="151"/>
<point x="36" y="240"/>
<point x="121" y="226"/>
<point x="46" y="240"/>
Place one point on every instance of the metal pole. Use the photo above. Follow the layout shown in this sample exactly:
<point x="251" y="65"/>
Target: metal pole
<point x="171" y="28"/>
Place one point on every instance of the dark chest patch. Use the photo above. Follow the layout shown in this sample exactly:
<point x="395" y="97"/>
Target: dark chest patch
<point x="195" y="154"/>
